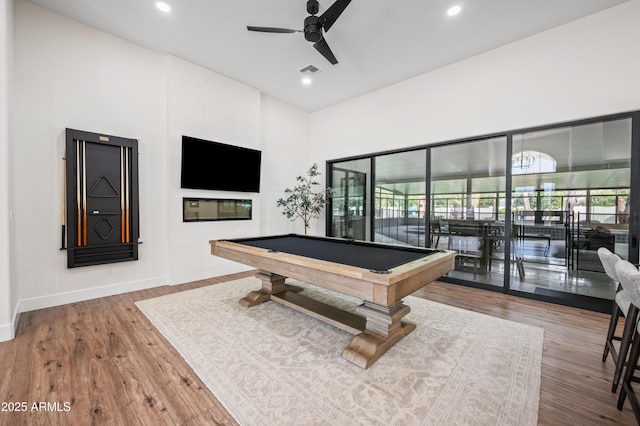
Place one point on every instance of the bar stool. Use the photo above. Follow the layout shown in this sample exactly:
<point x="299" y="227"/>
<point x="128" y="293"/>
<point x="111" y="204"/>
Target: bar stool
<point x="629" y="277"/>
<point x="609" y="261"/>
<point x="623" y="306"/>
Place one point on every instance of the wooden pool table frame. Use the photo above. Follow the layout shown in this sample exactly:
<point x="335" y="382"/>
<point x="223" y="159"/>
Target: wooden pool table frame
<point x="379" y="325"/>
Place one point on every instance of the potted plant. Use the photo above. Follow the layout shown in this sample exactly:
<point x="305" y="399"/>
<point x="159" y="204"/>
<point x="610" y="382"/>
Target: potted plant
<point x="301" y="202"/>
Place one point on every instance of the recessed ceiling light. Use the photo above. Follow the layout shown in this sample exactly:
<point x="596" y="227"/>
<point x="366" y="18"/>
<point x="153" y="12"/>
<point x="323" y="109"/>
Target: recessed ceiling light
<point x="454" y="10"/>
<point x="307" y="81"/>
<point x="163" y="6"/>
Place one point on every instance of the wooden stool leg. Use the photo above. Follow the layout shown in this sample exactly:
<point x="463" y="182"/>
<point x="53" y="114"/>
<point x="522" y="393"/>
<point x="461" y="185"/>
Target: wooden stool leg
<point x="628" y="378"/>
<point x="613" y="322"/>
<point x="625" y="342"/>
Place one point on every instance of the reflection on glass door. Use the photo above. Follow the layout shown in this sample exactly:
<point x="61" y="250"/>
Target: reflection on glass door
<point x="349" y="201"/>
<point x="571" y="188"/>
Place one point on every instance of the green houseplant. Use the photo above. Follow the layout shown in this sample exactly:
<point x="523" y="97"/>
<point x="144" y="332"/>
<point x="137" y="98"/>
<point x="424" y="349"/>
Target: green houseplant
<point x="302" y="202"/>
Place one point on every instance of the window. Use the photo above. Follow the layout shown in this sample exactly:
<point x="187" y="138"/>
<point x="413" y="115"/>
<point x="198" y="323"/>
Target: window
<point x="528" y="162"/>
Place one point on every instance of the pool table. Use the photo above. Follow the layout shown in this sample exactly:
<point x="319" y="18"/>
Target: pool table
<point x="378" y="274"/>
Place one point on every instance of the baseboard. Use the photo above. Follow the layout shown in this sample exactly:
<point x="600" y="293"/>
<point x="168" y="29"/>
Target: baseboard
<point x="8" y="331"/>
<point x="42" y="302"/>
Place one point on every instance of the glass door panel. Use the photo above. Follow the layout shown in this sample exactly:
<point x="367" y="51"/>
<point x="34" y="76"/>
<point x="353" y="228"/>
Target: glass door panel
<point x="571" y="189"/>
<point x="349" y="203"/>
<point x="468" y="207"/>
<point x="400" y="200"/>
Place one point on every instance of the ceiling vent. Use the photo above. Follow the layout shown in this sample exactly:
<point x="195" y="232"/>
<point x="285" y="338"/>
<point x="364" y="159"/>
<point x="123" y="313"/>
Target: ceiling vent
<point x="310" y="69"/>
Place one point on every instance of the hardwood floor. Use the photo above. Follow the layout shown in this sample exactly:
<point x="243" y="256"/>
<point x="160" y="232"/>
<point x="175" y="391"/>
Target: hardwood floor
<point x="102" y="362"/>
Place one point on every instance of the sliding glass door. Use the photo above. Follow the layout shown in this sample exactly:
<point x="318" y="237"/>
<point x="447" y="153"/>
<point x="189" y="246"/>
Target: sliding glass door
<point x="526" y="210"/>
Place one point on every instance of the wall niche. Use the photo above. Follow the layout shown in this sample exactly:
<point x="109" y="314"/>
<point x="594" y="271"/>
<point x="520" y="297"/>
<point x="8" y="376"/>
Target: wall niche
<point x="210" y="209"/>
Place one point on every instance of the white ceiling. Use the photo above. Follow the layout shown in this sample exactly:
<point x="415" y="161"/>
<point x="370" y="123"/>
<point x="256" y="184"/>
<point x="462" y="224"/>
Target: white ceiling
<point x="377" y="42"/>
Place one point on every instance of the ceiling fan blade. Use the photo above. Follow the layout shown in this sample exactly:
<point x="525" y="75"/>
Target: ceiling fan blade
<point x="322" y="47"/>
<point x="329" y="17"/>
<point x="272" y="30"/>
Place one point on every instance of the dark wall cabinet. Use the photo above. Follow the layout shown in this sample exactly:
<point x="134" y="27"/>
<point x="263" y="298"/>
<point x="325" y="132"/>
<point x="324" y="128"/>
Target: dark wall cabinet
<point x="102" y="220"/>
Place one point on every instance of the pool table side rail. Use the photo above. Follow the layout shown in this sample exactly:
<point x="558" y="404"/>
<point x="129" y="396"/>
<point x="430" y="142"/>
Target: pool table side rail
<point x="384" y="289"/>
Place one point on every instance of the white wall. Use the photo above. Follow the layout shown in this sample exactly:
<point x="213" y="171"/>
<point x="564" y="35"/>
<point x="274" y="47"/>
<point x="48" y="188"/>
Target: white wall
<point x="8" y="297"/>
<point x="285" y="131"/>
<point x="205" y="105"/>
<point x="587" y="68"/>
<point x="70" y="75"/>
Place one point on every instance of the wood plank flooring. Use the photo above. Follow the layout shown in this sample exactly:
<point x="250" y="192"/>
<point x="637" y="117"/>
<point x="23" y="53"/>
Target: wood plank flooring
<point x="101" y="362"/>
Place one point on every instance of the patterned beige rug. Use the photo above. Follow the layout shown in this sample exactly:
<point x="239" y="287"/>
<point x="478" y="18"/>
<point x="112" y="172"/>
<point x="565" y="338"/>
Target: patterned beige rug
<point x="270" y="365"/>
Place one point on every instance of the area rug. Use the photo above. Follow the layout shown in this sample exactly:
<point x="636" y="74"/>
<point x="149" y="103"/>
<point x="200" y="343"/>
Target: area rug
<point x="271" y="365"/>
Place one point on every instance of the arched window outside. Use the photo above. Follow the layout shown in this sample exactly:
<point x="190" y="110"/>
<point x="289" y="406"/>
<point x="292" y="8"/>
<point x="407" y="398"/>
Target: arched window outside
<point x="529" y="162"/>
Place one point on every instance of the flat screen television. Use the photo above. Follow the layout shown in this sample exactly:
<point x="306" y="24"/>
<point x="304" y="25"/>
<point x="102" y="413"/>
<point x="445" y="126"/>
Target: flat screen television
<point x="218" y="166"/>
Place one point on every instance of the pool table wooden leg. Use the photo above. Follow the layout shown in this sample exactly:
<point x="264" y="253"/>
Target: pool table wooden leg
<point x="271" y="284"/>
<point x="384" y="329"/>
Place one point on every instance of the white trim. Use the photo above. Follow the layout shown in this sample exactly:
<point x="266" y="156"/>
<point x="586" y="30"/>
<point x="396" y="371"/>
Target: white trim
<point x="7" y="332"/>
<point x="16" y="317"/>
<point x="32" y="304"/>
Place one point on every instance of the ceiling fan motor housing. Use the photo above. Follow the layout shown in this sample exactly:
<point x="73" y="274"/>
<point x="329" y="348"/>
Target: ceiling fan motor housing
<point x="312" y="28"/>
<point x="312" y="7"/>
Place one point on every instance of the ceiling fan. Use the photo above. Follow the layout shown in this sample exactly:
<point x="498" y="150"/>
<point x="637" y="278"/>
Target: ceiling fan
<point x="314" y="26"/>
